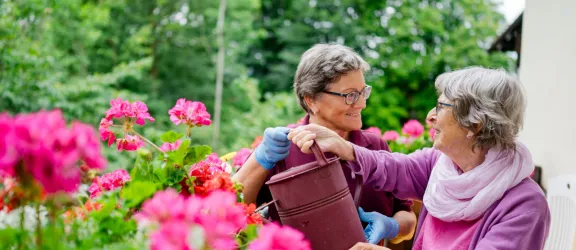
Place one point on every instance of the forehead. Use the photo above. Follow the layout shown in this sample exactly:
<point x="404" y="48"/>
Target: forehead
<point x="353" y="80"/>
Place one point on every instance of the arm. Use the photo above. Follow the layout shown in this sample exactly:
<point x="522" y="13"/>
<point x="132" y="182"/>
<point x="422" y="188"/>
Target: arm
<point x="407" y="222"/>
<point x="405" y="176"/>
<point x="252" y="176"/>
<point x="520" y="231"/>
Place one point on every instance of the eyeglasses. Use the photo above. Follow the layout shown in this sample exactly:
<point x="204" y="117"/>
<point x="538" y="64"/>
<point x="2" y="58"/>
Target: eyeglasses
<point x="352" y="97"/>
<point x="439" y="106"/>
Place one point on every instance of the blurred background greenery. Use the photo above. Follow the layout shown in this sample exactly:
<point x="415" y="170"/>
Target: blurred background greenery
<point x="76" y="55"/>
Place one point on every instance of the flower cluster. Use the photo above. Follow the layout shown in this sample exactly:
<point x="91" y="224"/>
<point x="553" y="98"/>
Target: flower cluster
<point x="41" y="146"/>
<point x="191" y="113"/>
<point x="240" y="157"/>
<point x="272" y="236"/>
<point x="128" y="114"/>
<point x="215" y="219"/>
<point x="108" y="182"/>
<point x="411" y="138"/>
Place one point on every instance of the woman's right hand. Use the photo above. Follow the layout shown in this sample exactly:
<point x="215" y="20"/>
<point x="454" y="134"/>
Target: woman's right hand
<point x="367" y="246"/>
<point x="327" y="140"/>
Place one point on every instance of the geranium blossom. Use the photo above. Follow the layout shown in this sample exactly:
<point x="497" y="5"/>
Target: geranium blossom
<point x="272" y="236"/>
<point x="374" y="130"/>
<point x="251" y="216"/>
<point x="129" y="114"/>
<point x="167" y="146"/>
<point x="413" y="128"/>
<point x="164" y="206"/>
<point x="47" y="149"/>
<point x="390" y="135"/>
<point x="241" y="157"/>
<point x="108" y="182"/>
<point x="220" y="181"/>
<point x="190" y="113"/>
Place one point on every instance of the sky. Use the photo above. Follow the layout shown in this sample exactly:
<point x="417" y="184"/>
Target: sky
<point x="512" y="9"/>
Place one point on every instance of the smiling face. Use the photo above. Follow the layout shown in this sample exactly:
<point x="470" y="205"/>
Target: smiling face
<point x="332" y="111"/>
<point x="450" y="137"/>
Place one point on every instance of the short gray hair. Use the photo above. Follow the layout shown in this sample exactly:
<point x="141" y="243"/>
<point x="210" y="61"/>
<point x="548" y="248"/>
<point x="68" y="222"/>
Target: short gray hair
<point x="489" y="98"/>
<point x="322" y="65"/>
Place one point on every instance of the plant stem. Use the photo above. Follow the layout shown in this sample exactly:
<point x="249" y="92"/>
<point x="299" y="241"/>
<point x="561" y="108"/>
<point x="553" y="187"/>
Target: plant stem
<point x="22" y="229"/>
<point x="189" y="132"/>
<point x="38" y="228"/>
<point x="147" y="141"/>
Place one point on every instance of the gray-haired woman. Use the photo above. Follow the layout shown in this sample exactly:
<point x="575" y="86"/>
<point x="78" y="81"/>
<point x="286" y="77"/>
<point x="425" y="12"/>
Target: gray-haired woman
<point x="329" y="84"/>
<point x="474" y="183"/>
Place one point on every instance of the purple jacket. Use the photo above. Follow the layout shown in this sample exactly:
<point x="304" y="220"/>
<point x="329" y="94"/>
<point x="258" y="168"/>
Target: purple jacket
<point x="519" y="220"/>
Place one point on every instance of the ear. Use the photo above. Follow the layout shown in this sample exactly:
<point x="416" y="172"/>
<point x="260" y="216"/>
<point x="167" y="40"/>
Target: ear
<point x="311" y="104"/>
<point x="470" y="134"/>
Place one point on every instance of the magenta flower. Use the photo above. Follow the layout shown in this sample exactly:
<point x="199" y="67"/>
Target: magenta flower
<point x="190" y="113"/>
<point x="272" y="236"/>
<point x="48" y="150"/>
<point x="171" y="146"/>
<point x="108" y="182"/>
<point x="130" y="143"/>
<point x="8" y="152"/>
<point x="432" y="133"/>
<point x="220" y="216"/>
<point x="241" y="157"/>
<point x="374" y="130"/>
<point x="413" y="128"/>
<point x="130" y="114"/>
<point x="390" y="135"/>
<point x="162" y="207"/>
<point x="172" y="235"/>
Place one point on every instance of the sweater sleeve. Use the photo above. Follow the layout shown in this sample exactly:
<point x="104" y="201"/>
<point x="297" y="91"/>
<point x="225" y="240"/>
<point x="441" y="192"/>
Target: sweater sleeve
<point x="405" y="176"/>
<point x="522" y="231"/>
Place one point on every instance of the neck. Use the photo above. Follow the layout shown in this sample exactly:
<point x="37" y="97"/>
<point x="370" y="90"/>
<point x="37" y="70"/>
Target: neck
<point x="468" y="160"/>
<point x="342" y="133"/>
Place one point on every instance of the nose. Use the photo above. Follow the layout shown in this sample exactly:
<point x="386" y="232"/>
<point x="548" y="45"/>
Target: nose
<point x="360" y="103"/>
<point x="431" y="116"/>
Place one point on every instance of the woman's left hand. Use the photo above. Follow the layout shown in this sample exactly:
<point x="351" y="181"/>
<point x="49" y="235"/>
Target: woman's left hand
<point x="379" y="226"/>
<point x="367" y="246"/>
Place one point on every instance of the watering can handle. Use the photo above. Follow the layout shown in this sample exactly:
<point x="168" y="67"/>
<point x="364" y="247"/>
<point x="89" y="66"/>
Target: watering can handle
<point x="321" y="158"/>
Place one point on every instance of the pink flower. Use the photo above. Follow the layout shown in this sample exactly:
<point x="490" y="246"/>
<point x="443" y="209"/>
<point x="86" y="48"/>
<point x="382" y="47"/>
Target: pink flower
<point x="220" y="216"/>
<point x="272" y="236"/>
<point x="141" y="113"/>
<point x="432" y="133"/>
<point x="390" y="135"/>
<point x="241" y="156"/>
<point x="172" y="235"/>
<point x="171" y="146"/>
<point x="190" y="113"/>
<point x="292" y="125"/>
<point x="49" y="151"/>
<point x="105" y="132"/>
<point x="164" y="206"/>
<point x="413" y="128"/>
<point x="89" y="145"/>
<point x="130" y="143"/>
<point x="374" y="130"/>
<point x="216" y="165"/>
<point x="108" y="182"/>
<point x="8" y="152"/>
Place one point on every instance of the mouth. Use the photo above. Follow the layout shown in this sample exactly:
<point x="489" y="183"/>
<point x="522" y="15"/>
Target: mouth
<point x="353" y="114"/>
<point x="436" y="130"/>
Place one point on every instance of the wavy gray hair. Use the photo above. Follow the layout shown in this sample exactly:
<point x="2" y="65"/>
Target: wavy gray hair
<point x="322" y="65"/>
<point x="490" y="100"/>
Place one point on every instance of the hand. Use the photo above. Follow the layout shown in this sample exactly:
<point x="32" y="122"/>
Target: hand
<point x="379" y="226"/>
<point x="366" y="246"/>
<point x="328" y="140"/>
<point x="274" y="147"/>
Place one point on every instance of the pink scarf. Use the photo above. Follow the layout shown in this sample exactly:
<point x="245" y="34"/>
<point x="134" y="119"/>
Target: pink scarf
<point x="454" y="196"/>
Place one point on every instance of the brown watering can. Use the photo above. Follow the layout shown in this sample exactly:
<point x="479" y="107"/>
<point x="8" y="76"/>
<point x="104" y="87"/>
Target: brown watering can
<point x="314" y="198"/>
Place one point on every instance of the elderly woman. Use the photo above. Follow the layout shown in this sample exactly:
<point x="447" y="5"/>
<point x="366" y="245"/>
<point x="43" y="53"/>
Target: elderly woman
<point x="474" y="182"/>
<point x="330" y="87"/>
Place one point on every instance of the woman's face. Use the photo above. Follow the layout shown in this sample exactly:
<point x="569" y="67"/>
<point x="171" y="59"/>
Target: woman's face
<point x="332" y="111"/>
<point x="450" y="138"/>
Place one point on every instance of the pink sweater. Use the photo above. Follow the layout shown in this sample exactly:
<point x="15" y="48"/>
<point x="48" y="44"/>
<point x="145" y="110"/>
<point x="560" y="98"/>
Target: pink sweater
<point x="445" y="235"/>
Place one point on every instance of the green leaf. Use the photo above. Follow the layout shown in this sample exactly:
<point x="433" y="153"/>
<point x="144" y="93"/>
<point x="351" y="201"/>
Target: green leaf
<point x="177" y="156"/>
<point x="196" y="153"/>
<point x="171" y="136"/>
<point x="137" y="192"/>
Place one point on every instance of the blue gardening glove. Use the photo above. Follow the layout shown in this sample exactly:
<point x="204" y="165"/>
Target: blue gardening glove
<point x="379" y="226"/>
<point x="274" y="147"/>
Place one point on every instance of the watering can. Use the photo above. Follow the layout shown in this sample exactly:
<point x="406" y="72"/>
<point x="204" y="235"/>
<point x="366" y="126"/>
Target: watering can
<point x="314" y="198"/>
